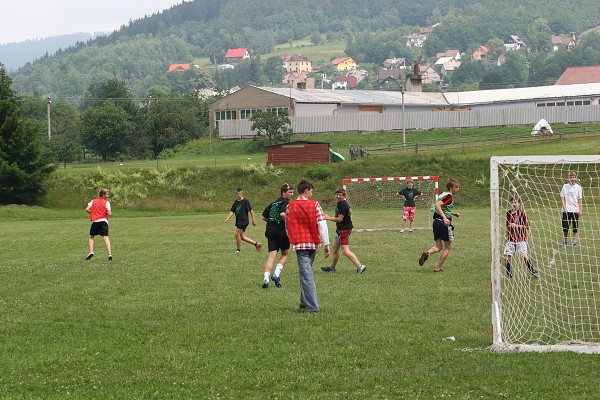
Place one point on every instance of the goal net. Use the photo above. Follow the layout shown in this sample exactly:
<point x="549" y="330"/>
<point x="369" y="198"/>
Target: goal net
<point x="555" y="307"/>
<point x="379" y="206"/>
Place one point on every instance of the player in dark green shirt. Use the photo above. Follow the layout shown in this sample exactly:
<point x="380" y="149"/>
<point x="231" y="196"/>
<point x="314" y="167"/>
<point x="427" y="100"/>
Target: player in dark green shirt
<point x="276" y="234"/>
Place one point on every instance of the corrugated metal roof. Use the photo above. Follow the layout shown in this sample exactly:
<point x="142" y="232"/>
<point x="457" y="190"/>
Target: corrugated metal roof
<point x="381" y="97"/>
<point x="526" y="93"/>
<point x="378" y="97"/>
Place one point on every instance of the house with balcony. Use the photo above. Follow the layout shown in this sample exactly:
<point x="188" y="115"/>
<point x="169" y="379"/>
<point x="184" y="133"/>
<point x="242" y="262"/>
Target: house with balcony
<point x="514" y="42"/>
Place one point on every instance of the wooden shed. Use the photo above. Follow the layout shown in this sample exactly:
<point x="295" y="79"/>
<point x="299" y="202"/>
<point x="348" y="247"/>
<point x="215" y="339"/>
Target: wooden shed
<point x="298" y="152"/>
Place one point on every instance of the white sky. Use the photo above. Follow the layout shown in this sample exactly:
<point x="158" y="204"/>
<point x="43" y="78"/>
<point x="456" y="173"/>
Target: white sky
<point x="35" y="19"/>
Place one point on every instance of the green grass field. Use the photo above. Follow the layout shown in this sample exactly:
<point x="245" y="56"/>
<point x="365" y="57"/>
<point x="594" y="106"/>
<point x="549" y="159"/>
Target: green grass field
<point x="177" y="315"/>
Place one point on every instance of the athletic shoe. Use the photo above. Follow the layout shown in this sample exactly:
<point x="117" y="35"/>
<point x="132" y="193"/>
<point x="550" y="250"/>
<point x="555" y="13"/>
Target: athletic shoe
<point x="410" y="231"/>
<point x="360" y="269"/>
<point x="534" y="273"/>
<point x="401" y="230"/>
<point x="276" y="280"/>
<point x="258" y="246"/>
<point x="89" y="256"/>
<point x="564" y="244"/>
<point x="110" y="257"/>
<point x="328" y="269"/>
<point x="237" y="252"/>
<point x="574" y="244"/>
<point x="265" y="284"/>
<point x="423" y="258"/>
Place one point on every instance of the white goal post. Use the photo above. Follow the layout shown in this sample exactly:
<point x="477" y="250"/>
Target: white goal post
<point x="380" y="207"/>
<point x="555" y="307"/>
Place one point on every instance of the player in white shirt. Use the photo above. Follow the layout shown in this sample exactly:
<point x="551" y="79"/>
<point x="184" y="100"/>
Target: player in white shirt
<point x="572" y="207"/>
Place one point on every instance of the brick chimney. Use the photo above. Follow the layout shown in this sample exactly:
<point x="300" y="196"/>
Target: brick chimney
<point x="414" y="81"/>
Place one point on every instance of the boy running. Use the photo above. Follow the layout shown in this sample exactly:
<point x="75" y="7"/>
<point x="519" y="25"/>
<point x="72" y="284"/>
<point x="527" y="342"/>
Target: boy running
<point x="99" y="210"/>
<point x="443" y="230"/>
<point x="276" y="234"/>
<point x="344" y="226"/>
<point x="241" y="207"/>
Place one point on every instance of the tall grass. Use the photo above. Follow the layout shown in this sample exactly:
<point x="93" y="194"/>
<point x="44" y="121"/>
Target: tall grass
<point x="177" y="315"/>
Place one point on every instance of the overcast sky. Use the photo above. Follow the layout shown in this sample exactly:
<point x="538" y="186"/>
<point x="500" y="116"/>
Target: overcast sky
<point x="35" y="19"/>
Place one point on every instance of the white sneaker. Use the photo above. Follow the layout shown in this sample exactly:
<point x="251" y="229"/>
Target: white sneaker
<point x="401" y="230"/>
<point x="360" y="269"/>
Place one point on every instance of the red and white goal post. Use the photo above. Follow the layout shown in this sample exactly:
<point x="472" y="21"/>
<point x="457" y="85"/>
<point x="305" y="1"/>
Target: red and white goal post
<point x="376" y="206"/>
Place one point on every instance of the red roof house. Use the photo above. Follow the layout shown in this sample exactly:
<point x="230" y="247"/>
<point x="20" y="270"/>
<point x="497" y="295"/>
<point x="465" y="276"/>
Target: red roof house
<point x="575" y="75"/>
<point x="179" y="67"/>
<point x="235" y="55"/>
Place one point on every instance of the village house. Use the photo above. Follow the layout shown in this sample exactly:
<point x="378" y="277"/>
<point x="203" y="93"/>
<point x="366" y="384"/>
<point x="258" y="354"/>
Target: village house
<point x="429" y="74"/>
<point x="179" y="67"/>
<point x="234" y="56"/>
<point x="563" y="42"/>
<point x="576" y="75"/>
<point x="418" y="39"/>
<point x="394" y="63"/>
<point x="446" y="65"/>
<point x="344" y="63"/>
<point x="455" y="54"/>
<point x="345" y="82"/>
<point x="299" y="80"/>
<point x="480" y="53"/>
<point x="513" y="42"/>
<point x="297" y="63"/>
<point x="387" y="77"/>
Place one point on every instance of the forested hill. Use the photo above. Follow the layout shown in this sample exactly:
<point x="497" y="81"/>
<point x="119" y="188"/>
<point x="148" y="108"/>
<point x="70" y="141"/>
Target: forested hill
<point x="141" y="51"/>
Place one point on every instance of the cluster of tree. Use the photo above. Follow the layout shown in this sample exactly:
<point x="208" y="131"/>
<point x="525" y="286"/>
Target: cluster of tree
<point x="109" y="123"/>
<point x="23" y="164"/>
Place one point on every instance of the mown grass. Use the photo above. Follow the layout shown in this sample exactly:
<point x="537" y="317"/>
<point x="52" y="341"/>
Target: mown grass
<point x="177" y="315"/>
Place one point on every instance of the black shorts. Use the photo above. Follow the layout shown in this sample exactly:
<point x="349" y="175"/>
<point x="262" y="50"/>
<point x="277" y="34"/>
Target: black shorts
<point x="278" y="242"/>
<point x="440" y="231"/>
<point x="99" y="228"/>
<point x="242" y="226"/>
<point x="572" y="218"/>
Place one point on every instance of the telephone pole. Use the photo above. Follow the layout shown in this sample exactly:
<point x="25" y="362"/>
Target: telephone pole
<point x="48" y="112"/>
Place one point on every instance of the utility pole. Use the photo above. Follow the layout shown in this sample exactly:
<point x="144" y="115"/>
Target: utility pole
<point x="48" y="113"/>
<point x="403" y="118"/>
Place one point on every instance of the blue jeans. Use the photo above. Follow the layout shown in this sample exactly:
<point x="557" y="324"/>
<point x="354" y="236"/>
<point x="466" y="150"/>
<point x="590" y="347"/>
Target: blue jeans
<point x="308" y="289"/>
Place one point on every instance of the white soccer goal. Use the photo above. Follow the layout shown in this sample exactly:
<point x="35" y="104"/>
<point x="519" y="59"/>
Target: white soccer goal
<point x="560" y="310"/>
<point x="377" y="208"/>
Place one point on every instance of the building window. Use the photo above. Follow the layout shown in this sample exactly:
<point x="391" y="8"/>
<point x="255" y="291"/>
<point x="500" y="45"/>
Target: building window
<point x="247" y="113"/>
<point x="225" y="114"/>
<point x="280" y="111"/>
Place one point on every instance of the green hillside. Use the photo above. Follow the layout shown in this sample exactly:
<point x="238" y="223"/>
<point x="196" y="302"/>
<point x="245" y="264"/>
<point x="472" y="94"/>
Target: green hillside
<point x="141" y="51"/>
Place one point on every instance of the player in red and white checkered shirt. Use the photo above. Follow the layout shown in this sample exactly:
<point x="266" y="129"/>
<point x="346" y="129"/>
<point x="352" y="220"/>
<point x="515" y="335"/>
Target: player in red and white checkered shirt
<point x="307" y="227"/>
